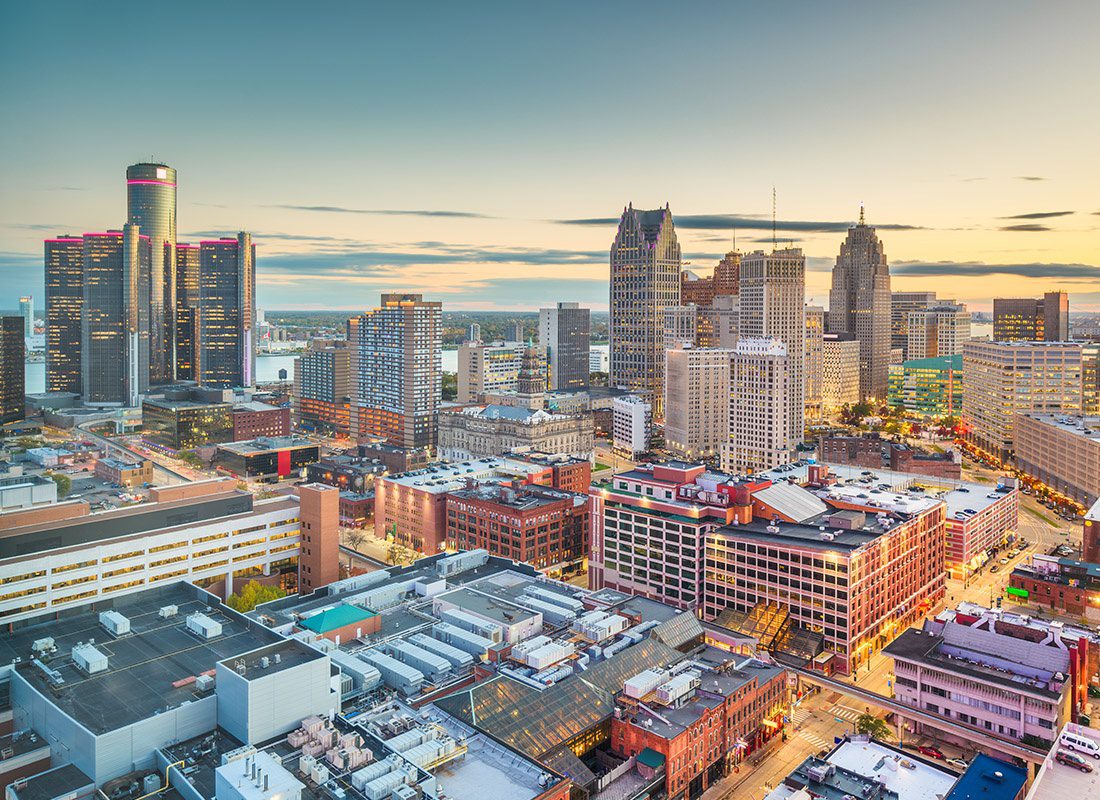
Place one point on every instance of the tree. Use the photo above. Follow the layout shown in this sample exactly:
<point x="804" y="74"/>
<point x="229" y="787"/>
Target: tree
<point x="450" y="385"/>
<point x="354" y="537"/>
<point x="873" y="726"/>
<point x="64" y="484"/>
<point x="189" y="457"/>
<point x="253" y="594"/>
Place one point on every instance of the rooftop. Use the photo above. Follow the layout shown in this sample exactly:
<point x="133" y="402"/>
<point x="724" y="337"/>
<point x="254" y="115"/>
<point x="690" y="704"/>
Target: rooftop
<point x="143" y="665"/>
<point x="335" y="618"/>
<point x="254" y="406"/>
<point x="440" y="478"/>
<point x="57" y="782"/>
<point x="1061" y="782"/>
<point x="1087" y="427"/>
<point x="265" y="444"/>
<point x="989" y="778"/>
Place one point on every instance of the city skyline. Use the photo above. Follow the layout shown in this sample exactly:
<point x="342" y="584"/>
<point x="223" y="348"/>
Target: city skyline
<point x="486" y="179"/>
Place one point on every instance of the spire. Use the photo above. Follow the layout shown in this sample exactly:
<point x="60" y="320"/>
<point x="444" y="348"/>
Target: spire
<point x="773" y="219"/>
<point x="861" y="215"/>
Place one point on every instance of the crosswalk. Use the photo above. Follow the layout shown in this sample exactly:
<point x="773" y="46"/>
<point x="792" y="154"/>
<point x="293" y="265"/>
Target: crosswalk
<point x="845" y="713"/>
<point x="801" y="715"/>
<point x="818" y="742"/>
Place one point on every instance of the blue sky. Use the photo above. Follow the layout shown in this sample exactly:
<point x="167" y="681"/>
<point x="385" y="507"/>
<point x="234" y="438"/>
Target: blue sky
<point x="452" y="148"/>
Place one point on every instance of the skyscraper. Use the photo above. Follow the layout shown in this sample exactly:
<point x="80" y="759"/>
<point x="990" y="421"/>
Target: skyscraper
<point x="859" y="304"/>
<point x="759" y="407"/>
<point x="565" y="336"/>
<point x="645" y="279"/>
<point x="114" y="340"/>
<point x="227" y="312"/>
<point x="697" y="398"/>
<point x="1025" y="319"/>
<point x="26" y="311"/>
<point x="397" y="371"/>
<point x="151" y="204"/>
<point x="815" y="361"/>
<point x="773" y="289"/>
<point x="939" y="330"/>
<point x="12" y="355"/>
<point x="474" y="333"/>
<point x="64" y="273"/>
<point x="188" y="298"/>
<point x="901" y="303"/>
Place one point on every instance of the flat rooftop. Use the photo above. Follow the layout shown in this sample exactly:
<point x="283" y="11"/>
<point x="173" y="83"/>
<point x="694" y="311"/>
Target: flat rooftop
<point x="1087" y="427"/>
<point x="267" y="445"/>
<point x="141" y="665"/>
<point x="440" y="478"/>
<point x="53" y="783"/>
<point x="1061" y="782"/>
<point x="800" y="534"/>
<point x="496" y="608"/>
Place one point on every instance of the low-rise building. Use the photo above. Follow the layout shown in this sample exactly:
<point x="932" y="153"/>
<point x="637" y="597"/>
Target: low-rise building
<point x="128" y="474"/>
<point x="1006" y="674"/>
<point x="479" y="431"/>
<point x="1063" y="585"/>
<point x="267" y="458"/>
<point x="1061" y="451"/>
<point x="632" y="425"/>
<point x="253" y="419"/>
<point x="180" y="423"/>
<point x="26" y="491"/>
<point x="930" y="387"/>
<point x="346" y="472"/>
<point x="873" y="452"/>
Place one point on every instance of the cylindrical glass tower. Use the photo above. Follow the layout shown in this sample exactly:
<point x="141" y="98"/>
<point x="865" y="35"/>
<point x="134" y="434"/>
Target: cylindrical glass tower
<point x="151" y="204"/>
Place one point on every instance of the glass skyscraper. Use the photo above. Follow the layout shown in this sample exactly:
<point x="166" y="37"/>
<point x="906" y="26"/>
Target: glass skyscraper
<point x="227" y="312"/>
<point x="115" y="321"/>
<point x="187" y="310"/>
<point x="64" y="272"/>
<point x="151" y="204"/>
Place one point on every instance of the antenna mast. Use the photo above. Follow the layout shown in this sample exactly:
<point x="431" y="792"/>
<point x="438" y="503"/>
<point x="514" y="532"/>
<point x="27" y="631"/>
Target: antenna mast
<point x="773" y="219"/>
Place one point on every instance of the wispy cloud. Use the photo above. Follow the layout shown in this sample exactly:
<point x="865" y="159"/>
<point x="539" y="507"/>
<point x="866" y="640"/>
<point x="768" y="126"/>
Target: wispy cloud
<point x="1030" y="178"/>
<point x="39" y="226"/>
<point x="979" y="269"/>
<point x="1030" y="227"/>
<point x="385" y="212"/>
<point x="1040" y="215"/>
<point x="717" y="222"/>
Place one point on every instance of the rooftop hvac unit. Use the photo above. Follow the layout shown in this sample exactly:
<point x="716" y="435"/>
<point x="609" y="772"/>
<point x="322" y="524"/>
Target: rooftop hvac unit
<point x="167" y="611"/>
<point x="679" y="687"/>
<point x="115" y="623"/>
<point x="203" y="626"/>
<point x="88" y="659"/>
<point x="44" y="645"/>
<point x="521" y="649"/>
<point x="643" y="683"/>
<point x="458" y="658"/>
<point x="204" y="683"/>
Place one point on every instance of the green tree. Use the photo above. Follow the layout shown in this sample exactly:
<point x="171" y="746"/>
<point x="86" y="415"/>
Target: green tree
<point x="873" y="726"/>
<point x="190" y="458"/>
<point x="64" y="484"/>
<point x="253" y="594"/>
<point x="450" y="385"/>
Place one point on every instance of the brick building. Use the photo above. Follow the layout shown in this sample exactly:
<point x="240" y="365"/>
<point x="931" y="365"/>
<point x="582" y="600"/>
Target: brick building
<point x="253" y="419"/>
<point x="874" y="452"/>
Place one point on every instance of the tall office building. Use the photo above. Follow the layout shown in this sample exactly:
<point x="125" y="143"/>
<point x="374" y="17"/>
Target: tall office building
<point x="815" y="361"/>
<point x="759" y="409"/>
<point x="1004" y="379"/>
<point x="514" y="332"/>
<point x="151" y="205"/>
<point x="397" y="371"/>
<point x="188" y="298"/>
<point x="901" y="303"/>
<point x="227" y="312"/>
<point x="840" y="372"/>
<point x="26" y="311"/>
<point x="12" y="356"/>
<point x="645" y="280"/>
<point x="321" y="392"/>
<point x="773" y="306"/>
<point x="697" y="397"/>
<point x="565" y="336"/>
<point x="859" y="304"/>
<point x="939" y="330"/>
<point x="64" y="273"/>
<point x="1025" y="319"/>
<point x="114" y="340"/>
<point x="488" y="368"/>
<point x="474" y="333"/>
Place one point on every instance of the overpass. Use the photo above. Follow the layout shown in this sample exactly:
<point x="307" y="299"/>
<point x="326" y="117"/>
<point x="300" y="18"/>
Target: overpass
<point x="981" y="737"/>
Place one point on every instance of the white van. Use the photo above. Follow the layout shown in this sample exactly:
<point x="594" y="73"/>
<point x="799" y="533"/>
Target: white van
<point x="1077" y="742"/>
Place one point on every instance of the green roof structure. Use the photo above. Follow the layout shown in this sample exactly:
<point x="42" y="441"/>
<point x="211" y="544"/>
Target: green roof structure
<point x="335" y="618"/>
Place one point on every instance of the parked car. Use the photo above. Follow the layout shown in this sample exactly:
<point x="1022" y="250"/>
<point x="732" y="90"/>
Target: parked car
<point x="931" y="752"/>
<point x="995" y="568"/>
<point x="1072" y="760"/>
<point x="958" y="762"/>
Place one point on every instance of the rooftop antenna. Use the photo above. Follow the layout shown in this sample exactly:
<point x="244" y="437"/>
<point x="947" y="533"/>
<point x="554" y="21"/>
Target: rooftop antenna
<point x="861" y="213"/>
<point x="773" y="218"/>
<point x="735" y="238"/>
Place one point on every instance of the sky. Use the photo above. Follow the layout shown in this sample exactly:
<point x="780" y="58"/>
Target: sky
<point x="481" y="153"/>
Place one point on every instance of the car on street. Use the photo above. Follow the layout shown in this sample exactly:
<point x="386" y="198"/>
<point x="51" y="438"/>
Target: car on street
<point x="931" y="752"/>
<point x="958" y="762"/>
<point x="1003" y="561"/>
<point x="1072" y="760"/>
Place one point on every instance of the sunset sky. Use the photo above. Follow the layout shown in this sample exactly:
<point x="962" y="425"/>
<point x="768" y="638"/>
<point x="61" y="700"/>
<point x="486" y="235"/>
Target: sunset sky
<point x="482" y="152"/>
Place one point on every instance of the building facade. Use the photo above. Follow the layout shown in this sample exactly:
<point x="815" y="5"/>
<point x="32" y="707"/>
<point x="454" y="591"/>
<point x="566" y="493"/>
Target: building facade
<point x="253" y="419"/>
<point x="631" y="425"/>
<point x="901" y="304"/>
<point x="1060" y="451"/>
<point x="183" y="424"/>
<point x="478" y="431"/>
<point x="151" y="205"/>
<point x="1025" y="319"/>
<point x="772" y="301"/>
<point x="645" y="280"/>
<point x="930" y="387"/>
<point x="397" y="371"/>
<point x="840" y="375"/>
<point x="114" y="332"/>
<point x="321" y="393"/>
<point x="227" y="312"/>
<point x="815" y="362"/>
<point x="64" y="273"/>
<point x="697" y="401"/>
<point x="1003" y="379"/>
<point x="761" y="382"/>
<point x="488" y="368"/>
<point x="565" y="334"/>
<point x="12" y="370"/>
<point x="939" y="330"/>
<point x="188" y="302"/>
<point x="860" y="304"/>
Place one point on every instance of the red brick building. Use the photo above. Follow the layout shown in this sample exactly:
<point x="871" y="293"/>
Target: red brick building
<point x="252" y="420"/>
<point x="874" y="452"/>
<point x="542" y="526"/>
<point x="704" y="734"/>
<point x="319" y="519"/>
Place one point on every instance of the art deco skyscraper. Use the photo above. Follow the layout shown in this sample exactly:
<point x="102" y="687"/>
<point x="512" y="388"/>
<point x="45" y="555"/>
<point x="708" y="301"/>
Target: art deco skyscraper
<point x="114" y="341"/>
<point x="859" y="304"/>
<point x="773" y="289"/>
<point x="64" y="273"/>
<point x="564" y="334"/>
<point x="645" y="279"/>
<point x="151" y="204"/>
<point x="397" y="371"/>
<point x="227" y="314"/>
